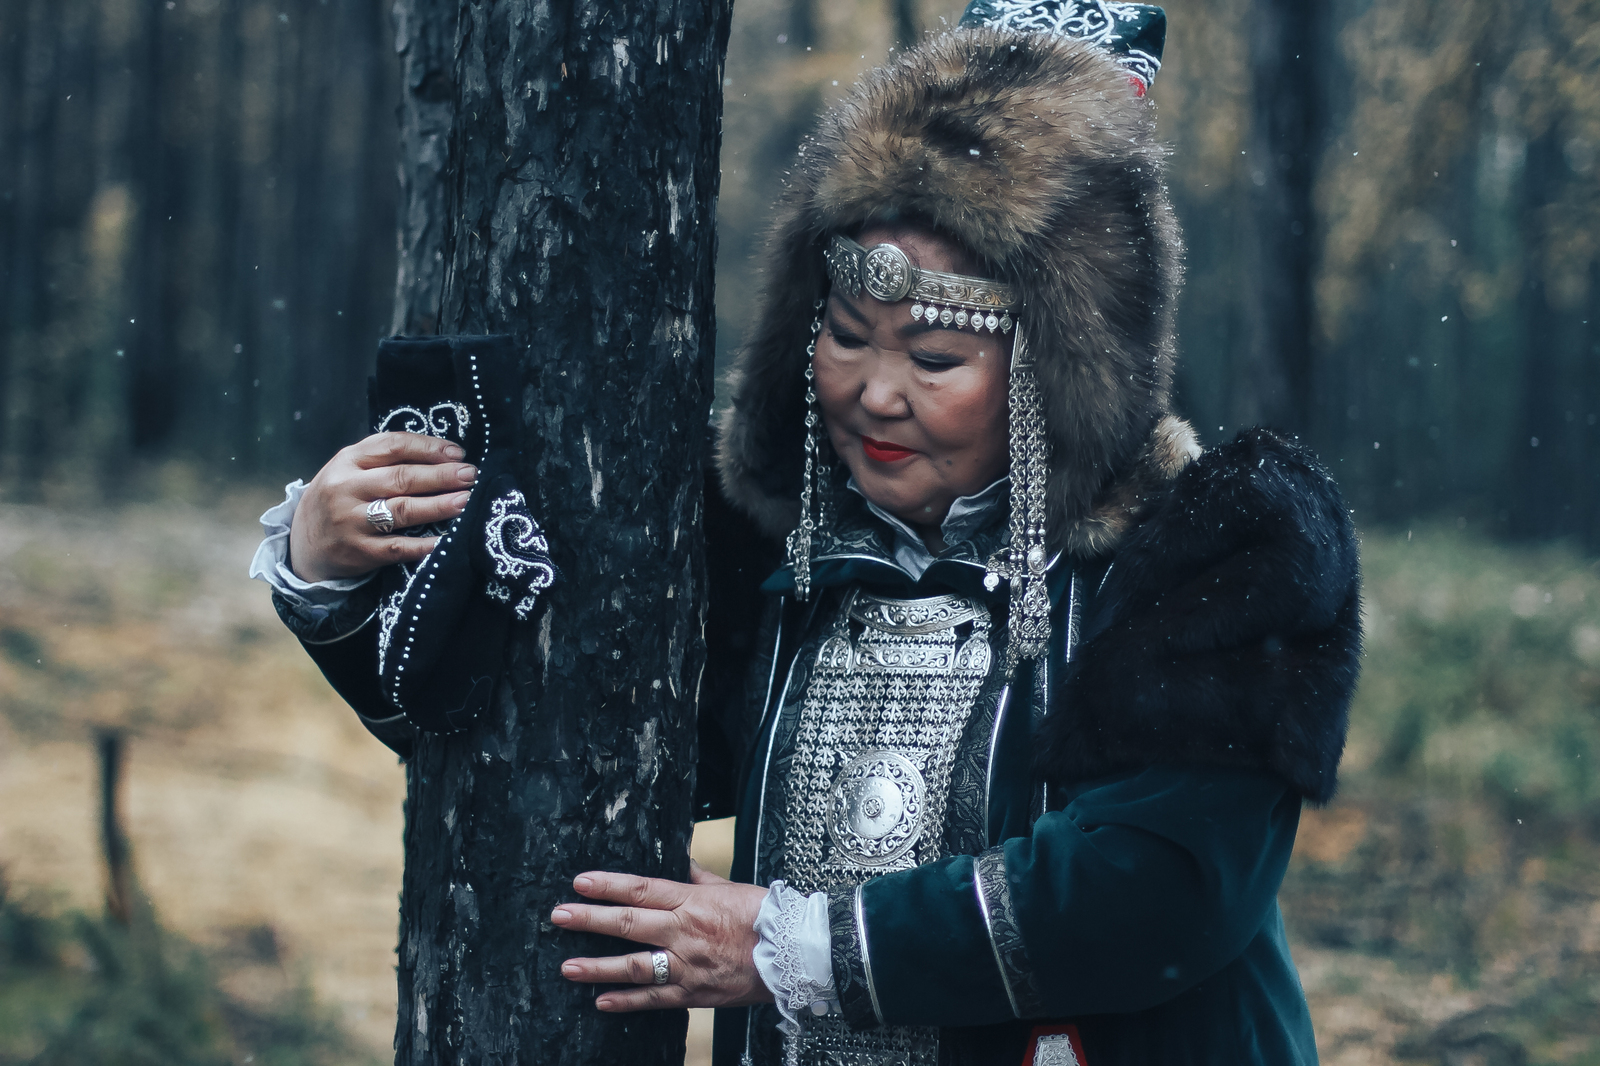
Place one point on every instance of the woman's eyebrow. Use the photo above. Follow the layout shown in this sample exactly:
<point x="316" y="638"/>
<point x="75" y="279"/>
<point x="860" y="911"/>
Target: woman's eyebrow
<point x="850" y="309"/>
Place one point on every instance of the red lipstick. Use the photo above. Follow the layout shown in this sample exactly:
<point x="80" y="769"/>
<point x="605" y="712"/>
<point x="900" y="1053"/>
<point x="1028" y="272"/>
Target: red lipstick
<point x="884" y="452"/>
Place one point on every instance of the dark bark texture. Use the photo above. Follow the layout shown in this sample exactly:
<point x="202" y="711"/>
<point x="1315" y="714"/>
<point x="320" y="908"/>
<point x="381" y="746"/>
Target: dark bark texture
<point x="581" y="178"/>
<point x="425" y="38"/>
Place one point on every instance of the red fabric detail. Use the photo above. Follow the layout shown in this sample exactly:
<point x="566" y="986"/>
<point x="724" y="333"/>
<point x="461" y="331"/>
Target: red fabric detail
<point x="1051" y="1030"/>
<point x="1137" y="83"/>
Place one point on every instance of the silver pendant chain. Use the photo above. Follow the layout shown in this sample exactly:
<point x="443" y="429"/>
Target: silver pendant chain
<point x="799" y="545"/>
<point x="1025" y="561"/>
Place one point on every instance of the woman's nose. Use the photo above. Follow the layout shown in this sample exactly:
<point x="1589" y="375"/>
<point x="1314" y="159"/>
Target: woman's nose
<point x="883" y="394"/>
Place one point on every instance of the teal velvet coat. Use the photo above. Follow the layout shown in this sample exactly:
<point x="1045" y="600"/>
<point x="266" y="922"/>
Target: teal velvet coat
<point x="1139" y="800"/>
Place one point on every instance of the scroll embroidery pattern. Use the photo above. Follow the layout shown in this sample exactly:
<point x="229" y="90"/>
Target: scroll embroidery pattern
<point x="447" y="420"/>
<point x="520" y="553"/>
<point x="389" y="610"/>
<point x="1104" y="23"/>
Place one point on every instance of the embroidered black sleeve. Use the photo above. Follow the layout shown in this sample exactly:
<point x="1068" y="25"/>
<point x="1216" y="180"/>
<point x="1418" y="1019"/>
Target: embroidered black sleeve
<point x="850" y="977"/>
<point x="1005" y="936"/>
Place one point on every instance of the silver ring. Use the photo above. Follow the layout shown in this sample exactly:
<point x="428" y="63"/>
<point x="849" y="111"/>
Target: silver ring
<point x="379" y="517"/>
<point x="658" y="967"/>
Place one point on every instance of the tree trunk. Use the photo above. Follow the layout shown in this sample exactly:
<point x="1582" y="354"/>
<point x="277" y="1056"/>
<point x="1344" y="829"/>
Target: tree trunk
<point x="157" y="382"/>
<point x="1542" y="483"/>
<point x="581" y="188"/>
<point x="1589" y="418"/>
<point x="14" y="42"/>
<point x="28" y="394"/>
<point x="425" y="34"/>
<point x="903" y="14"/>
<point x="803" y="32"/>
<point x="1279" y="249"/>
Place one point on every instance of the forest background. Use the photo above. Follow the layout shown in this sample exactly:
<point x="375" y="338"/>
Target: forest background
<point x="198" y="254"/>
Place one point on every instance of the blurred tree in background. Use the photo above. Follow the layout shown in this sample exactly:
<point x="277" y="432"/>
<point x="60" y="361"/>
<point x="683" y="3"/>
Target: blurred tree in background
<point x="197" y="218"/>
<point x="1452" y="362"/>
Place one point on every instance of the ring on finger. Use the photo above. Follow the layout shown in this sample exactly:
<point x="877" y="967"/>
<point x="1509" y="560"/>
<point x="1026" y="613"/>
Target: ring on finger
<point x="658" y="968"/>
<point x="379" y="517"/>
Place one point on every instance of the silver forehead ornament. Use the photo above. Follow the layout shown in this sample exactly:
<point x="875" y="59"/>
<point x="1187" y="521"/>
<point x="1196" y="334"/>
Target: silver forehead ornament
<point x="951" y="300"/>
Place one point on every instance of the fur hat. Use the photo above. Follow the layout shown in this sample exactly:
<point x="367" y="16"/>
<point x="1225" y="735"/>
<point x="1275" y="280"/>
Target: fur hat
<point x="1036" y="153"/>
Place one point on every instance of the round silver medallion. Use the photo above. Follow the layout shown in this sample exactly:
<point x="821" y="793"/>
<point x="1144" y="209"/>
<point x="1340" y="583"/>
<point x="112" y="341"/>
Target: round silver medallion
<point x="876" y="812"/>
<point x="887" y="273"/>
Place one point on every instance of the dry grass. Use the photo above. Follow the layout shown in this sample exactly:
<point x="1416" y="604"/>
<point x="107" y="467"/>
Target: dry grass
<point x="254" y="800"/>
<point x="1447" y="907"/>
<point x="265" y="822"/>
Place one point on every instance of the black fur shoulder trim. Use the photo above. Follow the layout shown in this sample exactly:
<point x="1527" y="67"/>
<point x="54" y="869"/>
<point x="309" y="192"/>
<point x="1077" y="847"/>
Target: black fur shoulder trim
<point x="1227" y="630"/>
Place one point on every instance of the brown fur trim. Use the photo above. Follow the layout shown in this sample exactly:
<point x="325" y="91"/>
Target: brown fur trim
<point x="1122" y="504"/>
<point x="1032" y="151"/>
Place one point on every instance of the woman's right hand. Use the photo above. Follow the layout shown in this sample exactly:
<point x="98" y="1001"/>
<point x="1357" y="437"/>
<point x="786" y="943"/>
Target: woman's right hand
<point x="421" y="478"/>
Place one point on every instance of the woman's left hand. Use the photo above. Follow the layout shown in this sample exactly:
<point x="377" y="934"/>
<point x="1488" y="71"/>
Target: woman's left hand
<point x="706" y="927"/>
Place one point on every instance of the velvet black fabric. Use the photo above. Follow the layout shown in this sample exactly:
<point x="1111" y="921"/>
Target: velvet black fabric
<point x="442" y="625"/>
<point x="1226" y="631"/>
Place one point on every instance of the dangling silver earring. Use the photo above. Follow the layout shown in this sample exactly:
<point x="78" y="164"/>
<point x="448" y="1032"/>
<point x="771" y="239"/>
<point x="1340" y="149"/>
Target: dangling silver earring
<point x="1024" y="562"/>
<point x="799" y="547"/>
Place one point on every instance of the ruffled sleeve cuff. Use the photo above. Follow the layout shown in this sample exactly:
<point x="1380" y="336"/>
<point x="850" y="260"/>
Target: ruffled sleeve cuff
<point x="315" y="611"/>
<point x="792" y="955"/>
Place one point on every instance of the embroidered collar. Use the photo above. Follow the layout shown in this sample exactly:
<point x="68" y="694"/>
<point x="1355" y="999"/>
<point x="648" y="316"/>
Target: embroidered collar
<point x="966" y="517"/>
<point x="860" y="545"/>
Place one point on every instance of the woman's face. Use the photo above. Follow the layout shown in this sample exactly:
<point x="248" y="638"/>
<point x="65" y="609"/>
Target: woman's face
<point x="917" y="412"/>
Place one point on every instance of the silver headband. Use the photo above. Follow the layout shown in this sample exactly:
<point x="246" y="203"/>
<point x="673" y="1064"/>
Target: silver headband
<point x="886" y="272"/>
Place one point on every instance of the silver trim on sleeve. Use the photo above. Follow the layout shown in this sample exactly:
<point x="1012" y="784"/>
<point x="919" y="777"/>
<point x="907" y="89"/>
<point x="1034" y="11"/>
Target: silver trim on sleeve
<point x="866" y="956"/>
<point x="988" y="925"/>
<point x="1005" y="934"/>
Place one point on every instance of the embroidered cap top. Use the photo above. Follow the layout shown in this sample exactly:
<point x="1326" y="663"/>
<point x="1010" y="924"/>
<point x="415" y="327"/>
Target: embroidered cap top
<point x="1133" y="33"/>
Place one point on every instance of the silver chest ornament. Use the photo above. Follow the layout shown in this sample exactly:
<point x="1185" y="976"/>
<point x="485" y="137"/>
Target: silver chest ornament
<point x="877" y="737"/>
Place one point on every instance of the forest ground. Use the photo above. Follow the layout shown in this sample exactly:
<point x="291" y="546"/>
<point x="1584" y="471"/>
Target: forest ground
<point x="1445" y="908"/>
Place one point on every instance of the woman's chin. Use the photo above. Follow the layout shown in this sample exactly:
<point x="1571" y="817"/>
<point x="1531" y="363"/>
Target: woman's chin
<point x="905" y="502"/>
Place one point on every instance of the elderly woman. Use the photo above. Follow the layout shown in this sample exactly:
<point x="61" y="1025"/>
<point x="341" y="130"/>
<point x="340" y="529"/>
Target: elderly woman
<point x="1042" y="685"/>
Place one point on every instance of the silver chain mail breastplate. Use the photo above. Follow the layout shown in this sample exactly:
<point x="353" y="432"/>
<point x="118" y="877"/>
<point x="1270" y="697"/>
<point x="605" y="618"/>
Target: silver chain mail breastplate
<point x="876" y="739"/>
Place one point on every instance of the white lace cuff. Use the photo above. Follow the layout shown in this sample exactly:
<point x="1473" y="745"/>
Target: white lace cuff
<point x="271" y="562"/>
<point x="794" y="957"/>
